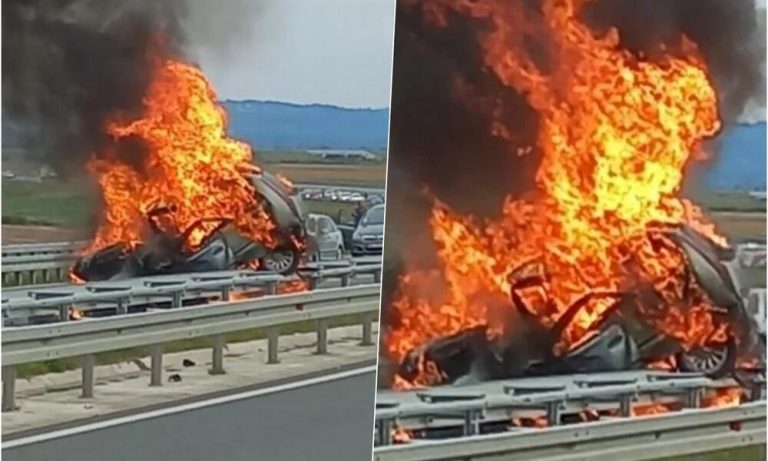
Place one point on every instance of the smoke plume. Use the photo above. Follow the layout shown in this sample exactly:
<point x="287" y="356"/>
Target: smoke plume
<point x="72" y="65"/>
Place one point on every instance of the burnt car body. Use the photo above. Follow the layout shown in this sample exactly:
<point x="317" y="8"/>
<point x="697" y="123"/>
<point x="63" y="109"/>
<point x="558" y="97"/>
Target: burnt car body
<point x="622" y="339"/>
<point x="223" y="248"/>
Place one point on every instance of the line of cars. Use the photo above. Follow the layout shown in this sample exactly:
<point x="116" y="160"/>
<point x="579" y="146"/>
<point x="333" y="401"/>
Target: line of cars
<point x="330" y="194"/>
<point x="329" y="240"/>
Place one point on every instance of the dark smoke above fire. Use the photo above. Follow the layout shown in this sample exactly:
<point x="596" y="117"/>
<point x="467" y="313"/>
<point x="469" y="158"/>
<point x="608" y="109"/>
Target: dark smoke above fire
<point x="70" y="66"/>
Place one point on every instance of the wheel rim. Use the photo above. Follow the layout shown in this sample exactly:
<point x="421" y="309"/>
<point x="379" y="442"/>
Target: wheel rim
<point x="279" y="261"/>
<point x="706" y="359"/>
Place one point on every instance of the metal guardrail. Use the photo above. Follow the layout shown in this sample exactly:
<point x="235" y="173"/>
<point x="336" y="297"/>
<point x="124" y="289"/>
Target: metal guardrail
<point x="50" y="262"/>
<point x="174" y="290"/>
<point x="29" y="249"/>
<point x="89" y="337"/>
<point x="462" y="411"/>
<point x="636" y="439"/>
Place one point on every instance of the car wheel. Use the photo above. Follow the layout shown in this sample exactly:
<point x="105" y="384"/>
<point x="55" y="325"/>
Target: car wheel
<point x="714" y="361"/>
<point x="284" y="260"/>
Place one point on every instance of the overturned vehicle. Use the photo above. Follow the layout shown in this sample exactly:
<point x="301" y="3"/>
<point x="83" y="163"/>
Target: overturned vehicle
<point x="223" y="248"/>
<point x="621" y="339"/>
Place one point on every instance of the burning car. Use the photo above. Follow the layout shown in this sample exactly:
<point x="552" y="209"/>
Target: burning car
<point x="594" y="261"/>
<point x="620" y="340"/>
<point x="178" y="194"/>
<point x="223" y="247"/>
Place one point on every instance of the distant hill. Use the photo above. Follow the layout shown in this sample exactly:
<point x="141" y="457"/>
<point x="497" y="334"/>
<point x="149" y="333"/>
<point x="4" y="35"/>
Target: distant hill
<point x="279" y="125"/>
<point x="739" y="165"/>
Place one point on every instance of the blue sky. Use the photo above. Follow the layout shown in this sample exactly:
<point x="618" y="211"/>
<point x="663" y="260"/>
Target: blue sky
<point x="304" y="51"/>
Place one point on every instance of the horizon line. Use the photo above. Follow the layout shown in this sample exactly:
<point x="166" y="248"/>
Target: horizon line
<point x="308" y="104"/>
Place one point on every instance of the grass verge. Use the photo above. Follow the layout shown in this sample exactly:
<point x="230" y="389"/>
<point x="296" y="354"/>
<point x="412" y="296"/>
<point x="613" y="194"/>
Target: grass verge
<point x="750" y="453"/>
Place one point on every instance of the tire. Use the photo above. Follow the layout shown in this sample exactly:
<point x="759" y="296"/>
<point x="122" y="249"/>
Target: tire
<point x="713" y="361"/>
<point x="283" y="260"/>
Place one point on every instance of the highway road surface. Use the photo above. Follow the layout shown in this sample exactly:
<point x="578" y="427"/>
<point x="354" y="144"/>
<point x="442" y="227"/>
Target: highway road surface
<point x="327" y="417"/>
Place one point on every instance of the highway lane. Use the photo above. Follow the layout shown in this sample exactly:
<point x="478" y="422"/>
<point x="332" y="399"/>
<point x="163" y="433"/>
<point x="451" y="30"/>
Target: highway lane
<point x="323" y="418"/>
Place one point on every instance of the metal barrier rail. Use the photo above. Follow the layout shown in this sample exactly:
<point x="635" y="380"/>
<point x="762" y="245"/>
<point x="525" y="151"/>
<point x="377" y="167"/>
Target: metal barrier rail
<point x="27" y="249"/>
<point x="50" y="262"/>
<point x="464" y="411"/>
<point x="87" y="338"/>
<point x="170" y="288"/>
<point x="635" y="439"/>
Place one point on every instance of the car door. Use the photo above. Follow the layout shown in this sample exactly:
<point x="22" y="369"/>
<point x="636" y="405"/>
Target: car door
<point x="328" y="237"/>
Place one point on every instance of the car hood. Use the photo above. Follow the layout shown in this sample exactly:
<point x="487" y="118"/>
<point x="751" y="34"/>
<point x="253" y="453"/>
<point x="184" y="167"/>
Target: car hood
<point x="371" y="229"/>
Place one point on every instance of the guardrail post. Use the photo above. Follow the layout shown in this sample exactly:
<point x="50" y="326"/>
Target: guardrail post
<point x="553" y="414"/>
<point x="384" y="427"/>
<point x="272" y="335"/>
<point x="270" y="288"/>
<point x="9" y="388"/>
<point x="377" y="277"/>
<point x="322" y="336"/>
<point x="625" y="406"/>
<point x="693" y="398"/>
<point x="156" y="355"/>
<point x="367" y="329"/>
<point x="311" y="283"/>
<point x="345" y="280"/>
<point x="471" y="422"/>
<point x="176" y="299"/>
<point x="122" y="306"/>
<point x="64" y="312"/>
<point x="217" y="367"/>
<point x="89" y="363"/>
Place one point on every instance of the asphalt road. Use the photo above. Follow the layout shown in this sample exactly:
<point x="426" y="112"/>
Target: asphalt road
<point x="325" y="418"/>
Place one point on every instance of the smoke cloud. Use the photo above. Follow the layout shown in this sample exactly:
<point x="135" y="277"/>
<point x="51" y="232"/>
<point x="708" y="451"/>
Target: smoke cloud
<point x="70" y="66"/>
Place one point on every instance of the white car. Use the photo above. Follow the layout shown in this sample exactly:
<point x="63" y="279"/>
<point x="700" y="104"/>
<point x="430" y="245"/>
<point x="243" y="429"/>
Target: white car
<point x="751" y="254"/>
<point x="326" y="240"/>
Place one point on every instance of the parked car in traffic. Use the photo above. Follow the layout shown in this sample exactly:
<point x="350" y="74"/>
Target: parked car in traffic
<point x="326" y="241"/>
<point x="368" y="236"/>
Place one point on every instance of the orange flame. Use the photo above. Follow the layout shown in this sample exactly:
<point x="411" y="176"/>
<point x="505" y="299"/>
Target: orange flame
<point x="75" y="313"/>
<point x="616" y="132"/>
<point x="723" y="397"/>
<point x="400" y="435"/>
<point x="292" y="286"/>
<point x="189" y="164"/>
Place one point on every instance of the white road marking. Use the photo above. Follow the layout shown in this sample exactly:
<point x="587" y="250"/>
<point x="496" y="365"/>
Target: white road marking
<point x="186" y="407"/>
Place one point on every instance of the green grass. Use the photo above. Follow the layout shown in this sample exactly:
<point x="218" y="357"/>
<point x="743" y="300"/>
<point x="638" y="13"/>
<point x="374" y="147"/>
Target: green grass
<point x="302" y="156"/>
<point x="726" y="201"/>
<point x="69" y="205"/>
<point x="66" y="204"/>
<point x="750" y="453"/>
<point x="124" y="355"/>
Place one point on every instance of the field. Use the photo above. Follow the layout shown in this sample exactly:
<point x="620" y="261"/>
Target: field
<point x="69" y="204"/>
<point x="363" y="175"/>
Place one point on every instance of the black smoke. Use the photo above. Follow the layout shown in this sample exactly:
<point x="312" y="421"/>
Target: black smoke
<point x="70" y="66"/>
<point x="730" y="35"/>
